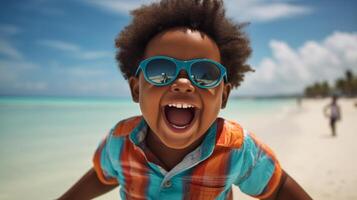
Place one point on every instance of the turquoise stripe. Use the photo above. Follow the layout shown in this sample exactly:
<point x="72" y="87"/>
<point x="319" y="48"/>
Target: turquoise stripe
<point x="155" y="178"/>
<point x="106" y="164"/>
<point x="178" y="187"/>
<point x="156" y="191"/>
<point x="173" y="192"/>
<point x="257" y="168"/>
<point x="114" y="148"/>
<point x="107" y="157"/>
<point x="224" y="194"/>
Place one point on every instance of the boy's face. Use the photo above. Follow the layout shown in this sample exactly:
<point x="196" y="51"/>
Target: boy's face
<point x="179" y="128"/>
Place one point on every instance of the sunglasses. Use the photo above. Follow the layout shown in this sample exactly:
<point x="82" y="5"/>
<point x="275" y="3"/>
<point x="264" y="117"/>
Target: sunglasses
<point x="163" y="70"/>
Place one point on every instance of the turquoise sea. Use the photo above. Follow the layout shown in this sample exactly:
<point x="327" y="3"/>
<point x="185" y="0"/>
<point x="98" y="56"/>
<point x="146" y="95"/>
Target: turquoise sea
<point x="46" y="143"/>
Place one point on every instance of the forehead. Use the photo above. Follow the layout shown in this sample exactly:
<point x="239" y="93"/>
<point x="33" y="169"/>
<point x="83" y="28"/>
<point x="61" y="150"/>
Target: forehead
<point x="183" y="44"/>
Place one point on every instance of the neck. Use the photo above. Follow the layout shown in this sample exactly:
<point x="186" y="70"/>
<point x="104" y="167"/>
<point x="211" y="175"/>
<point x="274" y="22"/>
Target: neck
<point x="168" y="157"/>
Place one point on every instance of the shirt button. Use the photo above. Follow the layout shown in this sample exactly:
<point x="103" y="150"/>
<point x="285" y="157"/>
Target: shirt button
<point x="167" y="184"/>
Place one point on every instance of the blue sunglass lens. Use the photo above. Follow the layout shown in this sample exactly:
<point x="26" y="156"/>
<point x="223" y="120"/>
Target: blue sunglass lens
<point x="205" y="73"/>
<point x="160" y="71"/>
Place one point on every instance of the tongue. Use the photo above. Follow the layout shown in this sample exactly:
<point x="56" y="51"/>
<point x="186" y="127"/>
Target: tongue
<point x="179" y="116"/>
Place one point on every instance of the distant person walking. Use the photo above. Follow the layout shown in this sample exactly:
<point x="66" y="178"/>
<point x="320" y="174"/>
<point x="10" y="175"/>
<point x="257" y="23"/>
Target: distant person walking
<point x="333" y="112"/>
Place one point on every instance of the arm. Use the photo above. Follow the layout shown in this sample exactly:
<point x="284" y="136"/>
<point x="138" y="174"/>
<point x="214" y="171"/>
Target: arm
<point x="289" y="189"/>
<point x="88" y="187"/>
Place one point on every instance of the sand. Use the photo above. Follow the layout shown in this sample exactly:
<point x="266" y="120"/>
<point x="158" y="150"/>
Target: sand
<point x="324" y="166"/>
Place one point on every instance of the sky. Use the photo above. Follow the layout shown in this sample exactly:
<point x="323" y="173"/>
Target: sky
<point x="66" y="47"/>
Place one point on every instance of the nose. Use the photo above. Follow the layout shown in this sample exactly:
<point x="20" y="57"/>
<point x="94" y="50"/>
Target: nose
<point x="182" y="84"/>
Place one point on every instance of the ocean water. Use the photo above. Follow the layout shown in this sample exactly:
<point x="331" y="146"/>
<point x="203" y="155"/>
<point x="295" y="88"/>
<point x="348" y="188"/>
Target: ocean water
<point x="47" y="143"/>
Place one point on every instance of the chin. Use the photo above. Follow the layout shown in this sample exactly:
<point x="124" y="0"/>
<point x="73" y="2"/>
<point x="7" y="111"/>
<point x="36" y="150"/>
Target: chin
<point x="177" y="145"/>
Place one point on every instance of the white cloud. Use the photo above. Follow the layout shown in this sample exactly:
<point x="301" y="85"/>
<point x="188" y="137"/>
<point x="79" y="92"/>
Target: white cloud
<point x="44" y="7"/>
<point x="14" y="75"/>
<point x="14" y="69"/>
<point x="8" y="50"/>
<point x="59" y="45"/>
<point x="263" y="11"/>
<point x="90" y="88"/>
<point x="79" y="71"/>
<point x="31" y="86"/>
<point x="84" y="80"/>
<point x="92" y="55"/>
<point x="75" y="50"/>
<point x="8" y="29"/>
<point x="290" y="70"/>
<point x="23" y="77"/>
<point x="247" y="10"/>
<point x="118" y="6"/>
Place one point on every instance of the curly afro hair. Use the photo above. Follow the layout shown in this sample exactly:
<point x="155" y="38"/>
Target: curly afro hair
<point x="206" y="16"/>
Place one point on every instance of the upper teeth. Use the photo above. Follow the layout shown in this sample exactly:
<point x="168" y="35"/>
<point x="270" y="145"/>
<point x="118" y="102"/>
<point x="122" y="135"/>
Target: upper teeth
<point x="181" y="105"/>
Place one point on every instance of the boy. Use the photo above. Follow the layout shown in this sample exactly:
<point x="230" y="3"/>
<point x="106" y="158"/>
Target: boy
<point x="182" y="57"/>
<point x="333" y="112"/>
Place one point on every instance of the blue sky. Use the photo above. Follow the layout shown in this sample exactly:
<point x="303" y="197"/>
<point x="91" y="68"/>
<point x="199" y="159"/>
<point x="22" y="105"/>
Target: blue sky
<point x="66" y="47"/>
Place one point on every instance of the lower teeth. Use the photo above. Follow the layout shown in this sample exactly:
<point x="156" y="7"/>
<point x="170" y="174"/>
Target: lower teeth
<point x="179" y="127"/>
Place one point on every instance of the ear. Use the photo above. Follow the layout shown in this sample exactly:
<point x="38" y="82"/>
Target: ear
<point x="225" y="94"/>
<point x="134" y="88"/>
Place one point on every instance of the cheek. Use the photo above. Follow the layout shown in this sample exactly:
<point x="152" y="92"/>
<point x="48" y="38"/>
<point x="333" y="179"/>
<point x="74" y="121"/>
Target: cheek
<point x="146" y="99"/>
<point x="149" y="100"/>
<point x="212" y="99"/>
<point x="147" y="91"/>
<point x="215" y="96"/>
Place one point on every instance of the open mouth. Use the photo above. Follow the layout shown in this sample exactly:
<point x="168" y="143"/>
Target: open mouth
<point x="180" y="116"/>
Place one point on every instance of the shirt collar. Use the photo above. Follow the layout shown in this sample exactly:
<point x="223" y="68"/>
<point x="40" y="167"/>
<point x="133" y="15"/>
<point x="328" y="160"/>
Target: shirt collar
<point x="138" y="135"/>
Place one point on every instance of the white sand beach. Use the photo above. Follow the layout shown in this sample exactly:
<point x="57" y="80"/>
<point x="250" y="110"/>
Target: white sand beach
<point x="326" y="167"/>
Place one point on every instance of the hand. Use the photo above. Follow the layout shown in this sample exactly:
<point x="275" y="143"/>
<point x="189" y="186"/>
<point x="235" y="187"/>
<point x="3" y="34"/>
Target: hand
<point x="88" y="187"/>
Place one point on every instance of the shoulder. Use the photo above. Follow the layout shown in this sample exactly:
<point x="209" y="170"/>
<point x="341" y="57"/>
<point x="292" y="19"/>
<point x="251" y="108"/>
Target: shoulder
<point x="118" y="136"/>
<point x="125" y="126"/>
<point x="230" y="133"/>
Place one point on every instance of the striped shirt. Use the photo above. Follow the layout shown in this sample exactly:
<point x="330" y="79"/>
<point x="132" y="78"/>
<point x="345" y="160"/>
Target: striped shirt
<point x="228" y="155"/>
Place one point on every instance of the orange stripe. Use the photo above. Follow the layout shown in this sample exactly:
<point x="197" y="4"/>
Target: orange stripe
<point x="276" y="177"/>
<point x="193" y="193"/>
<point x="135" y="171"/>
<point x="229" y="134"/>
<point x="98" y="168"/>
<point x="215" y="166"/>
<point x="125" y="127"/>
